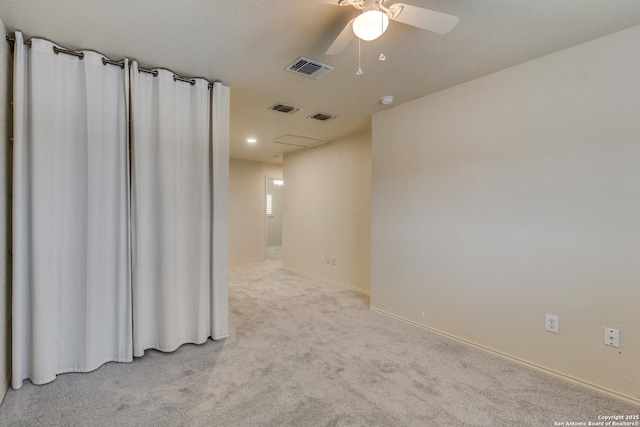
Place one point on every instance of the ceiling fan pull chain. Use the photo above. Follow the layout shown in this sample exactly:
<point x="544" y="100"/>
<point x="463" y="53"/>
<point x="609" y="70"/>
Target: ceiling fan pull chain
<point x="382" y="57"/>
<point x="359" y="72"/>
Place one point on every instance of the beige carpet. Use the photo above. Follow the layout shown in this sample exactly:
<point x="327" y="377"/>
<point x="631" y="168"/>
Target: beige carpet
<point x="307" y="353"/>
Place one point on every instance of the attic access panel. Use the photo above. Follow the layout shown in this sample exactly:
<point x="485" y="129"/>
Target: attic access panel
<point x="288" y="143"/>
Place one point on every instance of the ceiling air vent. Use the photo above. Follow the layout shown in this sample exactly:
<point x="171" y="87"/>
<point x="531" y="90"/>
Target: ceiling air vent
<point x="284" y="108"/>
<point x="308" y="67"/>
<point x="322" y="117"/>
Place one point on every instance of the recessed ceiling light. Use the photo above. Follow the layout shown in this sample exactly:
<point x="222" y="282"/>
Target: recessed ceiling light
<point x="252" y="140"/>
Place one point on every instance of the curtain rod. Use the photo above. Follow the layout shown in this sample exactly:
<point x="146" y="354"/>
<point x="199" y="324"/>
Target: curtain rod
<point x="105" y="61"/>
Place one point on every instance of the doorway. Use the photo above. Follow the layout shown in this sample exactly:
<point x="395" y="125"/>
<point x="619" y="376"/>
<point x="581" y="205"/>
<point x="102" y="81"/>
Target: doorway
<point x="275" y="190"/>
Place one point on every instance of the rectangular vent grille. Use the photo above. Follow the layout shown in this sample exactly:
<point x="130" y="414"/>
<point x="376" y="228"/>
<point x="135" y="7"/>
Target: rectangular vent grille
<point x="284" y="108"/>
<point x="308" y="67"/>
<point x="322" y="117"/>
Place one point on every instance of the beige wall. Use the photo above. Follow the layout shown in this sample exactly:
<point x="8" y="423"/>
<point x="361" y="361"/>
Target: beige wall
<point x="516" y="195"/>
<point x="247" y="201"/>
<point x="327" y="211"/>
<point x="5" y="305"/>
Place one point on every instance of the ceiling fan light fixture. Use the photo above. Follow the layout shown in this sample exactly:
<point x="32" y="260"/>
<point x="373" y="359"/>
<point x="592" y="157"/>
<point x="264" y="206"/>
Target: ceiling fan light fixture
<point x="370" y="25"/>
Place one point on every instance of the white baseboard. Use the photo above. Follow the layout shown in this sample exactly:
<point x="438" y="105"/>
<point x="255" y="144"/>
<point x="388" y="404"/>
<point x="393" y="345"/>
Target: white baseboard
<point x="324" y="279"/>
<point x="565" y="377"/>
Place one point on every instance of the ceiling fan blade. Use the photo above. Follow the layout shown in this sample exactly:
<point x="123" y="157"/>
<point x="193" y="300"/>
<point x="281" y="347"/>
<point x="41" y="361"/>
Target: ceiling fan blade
<point x="426" y="19"/>
<point x="342" y="41"/>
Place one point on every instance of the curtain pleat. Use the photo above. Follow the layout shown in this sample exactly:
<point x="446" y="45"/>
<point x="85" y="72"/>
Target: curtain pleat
<point x="71" y="275"/>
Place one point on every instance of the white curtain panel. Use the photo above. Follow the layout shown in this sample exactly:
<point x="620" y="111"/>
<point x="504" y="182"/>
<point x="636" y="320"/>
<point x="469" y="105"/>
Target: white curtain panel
<point x="220" y="264"/>
<point x="71" y="271"/>
<point x="171" y="215"/>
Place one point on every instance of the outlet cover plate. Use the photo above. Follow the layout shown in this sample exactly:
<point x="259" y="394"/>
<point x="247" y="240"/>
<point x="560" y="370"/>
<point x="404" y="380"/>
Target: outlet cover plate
<point x="612" y="337"/>
<point x="552" y="323"/>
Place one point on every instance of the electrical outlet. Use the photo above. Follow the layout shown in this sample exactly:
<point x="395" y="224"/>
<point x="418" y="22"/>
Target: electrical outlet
<point x="333" y="260"/>
<point x="552" y="323"/>
<point x="612" y="337"/>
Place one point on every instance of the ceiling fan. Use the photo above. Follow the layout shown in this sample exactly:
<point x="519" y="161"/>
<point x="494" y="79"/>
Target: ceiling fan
<point x="375" y="16"/>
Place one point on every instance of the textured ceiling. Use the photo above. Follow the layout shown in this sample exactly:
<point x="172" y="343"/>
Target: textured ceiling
<point x="246" y="44"/>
